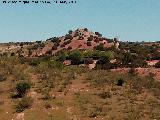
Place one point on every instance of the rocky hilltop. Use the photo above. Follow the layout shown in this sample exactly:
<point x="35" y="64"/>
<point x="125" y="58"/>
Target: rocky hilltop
<point x="81" y="39"/>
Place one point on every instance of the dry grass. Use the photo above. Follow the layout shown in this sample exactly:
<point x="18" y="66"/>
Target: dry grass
<point x="90" y="93"/>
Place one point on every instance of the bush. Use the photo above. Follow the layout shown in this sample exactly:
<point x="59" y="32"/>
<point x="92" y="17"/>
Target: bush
<point x="90" y="38"/>
<point x="103" y="65"/>
<point x="138" y="63"/>
<point x="89" y="43"/>
<point x="2" y="78"/>
<point x="94" y="111"/>
<point x="22" y="88"/>
<point x="88" y="61"/>
<point x="85" y="29"/>
<point x="100" y="47"/>
<point x="128" y="59"/>
<point x="54" y="47"/>
<point x="68" y="36"/>
<point x="34" y="62"/>
<point x="53" y="39"/>
<point x="75" y="56"/>
<point x="157" y="65"/>
<point x="67" y="42"/>
<point x="99" y="35"/>
<point x="23" y="104"/>
<point x="120" y="82"/>
<point x="80" y="37"/>
<point x="63" y="45"/>
<point x="69" y="48"/>
<point x="46" y="95"/>
<point x="105" y="95"/>
<point x="62" y="56"/>
<point x="57" y="43"/>
<point x="70" y="31"/>
<point x="55" y="64"/>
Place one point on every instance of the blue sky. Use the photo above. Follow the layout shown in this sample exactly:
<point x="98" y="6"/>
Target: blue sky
<point x="131" y="20"/>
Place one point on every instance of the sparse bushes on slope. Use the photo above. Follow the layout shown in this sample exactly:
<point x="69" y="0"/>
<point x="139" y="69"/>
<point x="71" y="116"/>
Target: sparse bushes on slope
<point x="53" y="39"/>
<point x="68" y="36"/>
<point x="67" y="42"/>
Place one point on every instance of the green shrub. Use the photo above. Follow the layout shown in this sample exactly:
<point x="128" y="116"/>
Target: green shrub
<point x="22" y="88"/>
<point x="75" y="56"/>
<point x="99" y="35"/>
<point x="70" y="31"/>
<point x="85" y="29"/>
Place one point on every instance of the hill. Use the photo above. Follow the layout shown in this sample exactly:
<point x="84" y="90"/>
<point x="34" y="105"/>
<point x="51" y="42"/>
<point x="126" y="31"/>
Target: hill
<point x="81" y="39"/>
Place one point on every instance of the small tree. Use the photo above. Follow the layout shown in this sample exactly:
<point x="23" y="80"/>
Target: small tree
<point x="85" y="29"/>
<point x="70" y="31"/>
<point x="22" y="88"/>
<point x="75" y="57"/>
<point x="99" y="35"/>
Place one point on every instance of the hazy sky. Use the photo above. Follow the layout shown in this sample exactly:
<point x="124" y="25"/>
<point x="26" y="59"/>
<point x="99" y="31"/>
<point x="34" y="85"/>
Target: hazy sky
<point x="134" y="20"/>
